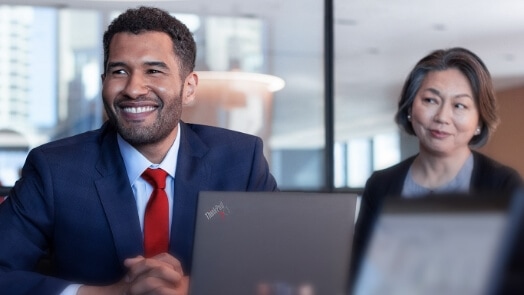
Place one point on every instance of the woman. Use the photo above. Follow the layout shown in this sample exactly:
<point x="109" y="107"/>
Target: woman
<point x="448" y="103"/>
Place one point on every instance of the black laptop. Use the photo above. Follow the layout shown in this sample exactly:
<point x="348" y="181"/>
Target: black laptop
<point x="446" y="244"/>
<point x="272" y="243"/>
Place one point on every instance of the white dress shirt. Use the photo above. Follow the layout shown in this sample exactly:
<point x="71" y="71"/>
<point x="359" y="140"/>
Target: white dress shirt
<point x="136" y="164"/>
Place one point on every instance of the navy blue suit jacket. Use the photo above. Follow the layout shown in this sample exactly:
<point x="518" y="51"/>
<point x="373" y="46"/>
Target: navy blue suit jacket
<point x="74" y="199"/>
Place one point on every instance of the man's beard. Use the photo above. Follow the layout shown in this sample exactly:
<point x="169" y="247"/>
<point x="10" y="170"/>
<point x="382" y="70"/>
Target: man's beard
<point x="168" y="116"/>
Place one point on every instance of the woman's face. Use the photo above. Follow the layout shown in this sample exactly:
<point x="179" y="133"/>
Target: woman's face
<point x="444" y="114"/>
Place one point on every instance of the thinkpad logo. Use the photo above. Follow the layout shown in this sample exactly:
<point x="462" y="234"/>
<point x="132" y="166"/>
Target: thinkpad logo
<point x="220" y="209"/>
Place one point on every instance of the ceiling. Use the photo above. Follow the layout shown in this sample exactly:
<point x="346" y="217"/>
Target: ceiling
<point x="376" y="44"/>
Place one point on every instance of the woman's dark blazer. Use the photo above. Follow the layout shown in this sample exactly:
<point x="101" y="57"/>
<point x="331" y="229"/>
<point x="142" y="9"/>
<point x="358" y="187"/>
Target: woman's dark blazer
<point x="487" y="176"/>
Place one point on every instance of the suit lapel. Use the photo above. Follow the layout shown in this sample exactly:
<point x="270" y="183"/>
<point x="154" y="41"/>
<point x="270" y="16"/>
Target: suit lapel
<point x="190" y="178"/>
<point x="117" y="199"/>
<point x="116" y="196"/>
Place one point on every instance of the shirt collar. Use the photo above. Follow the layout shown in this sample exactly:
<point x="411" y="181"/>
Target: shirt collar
<point x="136" y="163"/>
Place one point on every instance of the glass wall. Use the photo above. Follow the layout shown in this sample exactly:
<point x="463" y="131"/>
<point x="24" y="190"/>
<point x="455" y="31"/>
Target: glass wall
<point x="50" y="66"/>
<point x="261" y="72"/>
<point x="50" y="79"/>
<point x="28" y="87"/>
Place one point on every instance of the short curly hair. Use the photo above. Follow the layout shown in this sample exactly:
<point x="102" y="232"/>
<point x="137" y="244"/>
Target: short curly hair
<point x="478" y="76"/>
<point x="144" y="19"/>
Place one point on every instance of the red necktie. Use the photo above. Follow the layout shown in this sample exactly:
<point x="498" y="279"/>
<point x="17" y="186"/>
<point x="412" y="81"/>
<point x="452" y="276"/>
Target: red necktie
<point x="156" y="220"/>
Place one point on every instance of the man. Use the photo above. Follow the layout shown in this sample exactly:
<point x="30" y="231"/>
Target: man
<point x="84" y="199"/>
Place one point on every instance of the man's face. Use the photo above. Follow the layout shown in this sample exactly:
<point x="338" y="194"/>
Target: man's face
<point x="143" y="92"/>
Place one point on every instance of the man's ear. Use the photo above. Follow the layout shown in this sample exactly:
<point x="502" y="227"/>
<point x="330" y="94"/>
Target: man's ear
<point x="190" y="87"/>
<point x="103" y="76"/>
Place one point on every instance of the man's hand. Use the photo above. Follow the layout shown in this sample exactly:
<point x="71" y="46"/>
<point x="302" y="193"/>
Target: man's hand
<point x="159" y="275"/>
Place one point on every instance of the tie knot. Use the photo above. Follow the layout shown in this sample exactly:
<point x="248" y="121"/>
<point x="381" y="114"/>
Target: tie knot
<point x="156" y="177"/>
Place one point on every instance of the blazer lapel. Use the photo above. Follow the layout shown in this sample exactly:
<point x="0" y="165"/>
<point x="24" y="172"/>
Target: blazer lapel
<point x="119" y="205"/>
<point x="191" y="173"/>
<point x="116" y="196"/>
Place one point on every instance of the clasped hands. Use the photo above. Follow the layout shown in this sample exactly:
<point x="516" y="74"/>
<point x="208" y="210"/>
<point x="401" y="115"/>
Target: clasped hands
<point x="158" y="275"/>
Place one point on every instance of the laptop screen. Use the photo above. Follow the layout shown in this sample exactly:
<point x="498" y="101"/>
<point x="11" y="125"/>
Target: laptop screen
<point x="272" y="243"/>
<point x="436" y="245"/>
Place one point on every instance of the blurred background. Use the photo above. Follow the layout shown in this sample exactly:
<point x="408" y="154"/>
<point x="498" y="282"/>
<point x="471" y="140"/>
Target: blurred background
<point x="317" y="80"/>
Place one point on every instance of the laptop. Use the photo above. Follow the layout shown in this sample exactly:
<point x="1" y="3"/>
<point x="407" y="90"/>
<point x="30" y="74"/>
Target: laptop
<point x="446" y="244"/>
<point x="272" y="243"/>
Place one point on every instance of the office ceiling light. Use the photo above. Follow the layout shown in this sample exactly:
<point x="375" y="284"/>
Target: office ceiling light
<point x="271" y="83"/>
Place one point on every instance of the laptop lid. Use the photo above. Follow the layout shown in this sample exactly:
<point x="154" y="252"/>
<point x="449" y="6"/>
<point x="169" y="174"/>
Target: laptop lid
<point x="446" y="244"/>
<point x="265" y="243"/>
